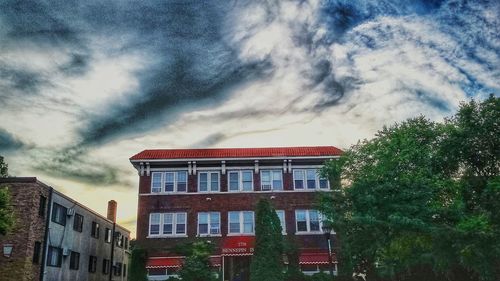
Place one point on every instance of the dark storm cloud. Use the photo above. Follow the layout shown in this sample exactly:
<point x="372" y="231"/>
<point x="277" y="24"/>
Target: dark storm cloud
<point x="19" y="80"/>
<point x="74" y="164"/>
<point x="8" y="142"/>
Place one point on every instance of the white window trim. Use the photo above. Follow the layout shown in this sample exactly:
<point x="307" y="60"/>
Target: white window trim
<point x="174" y="226"/>
<point x="283" y="227"/>
<point x="240" y="180"/>
<point x="304" y="174"/>
<point x="240" y="220"/>
<point x="164" y="178"/>
<point x="209" y="182"/>
<point x="209" y="222"/>
<point x="308" y="223"/>
<point x="272" y="184"/>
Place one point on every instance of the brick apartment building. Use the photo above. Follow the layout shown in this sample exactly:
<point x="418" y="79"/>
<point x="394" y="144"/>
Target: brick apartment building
<point x="56" y="238"/>
<point x="185" y="194"/>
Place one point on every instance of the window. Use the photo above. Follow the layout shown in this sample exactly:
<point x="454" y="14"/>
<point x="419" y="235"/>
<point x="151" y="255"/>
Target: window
<point x="95" y="230"/>
<point x="107" y="235"/>
<point x="170" y="181"/>
<point x="41" y="207"/>
<point x="281" y="216"/>
<point x="167" y="224"/>
<point x="208" y="181"/>
<point x="118" y="239"/>
<point x="241" y="222"/>
<point x="308" y="179"/>
<point x="92" y="264"/>
<point x="124" y="270"/>
<point x="78" y="223"/>
<point x="126" y="243"/>
<point x="54" y="256"/>
<point x="74" y="260"/>
<point x="36" y="252"/>
<point x="117" y="269"/>
<point x="241" y="180"/>
<point x="271" y="180"/>
<point x="308" y="221"/>
<point x="59" y="214"/>
<point x="105" y="266"/>
<point x="209" y="223"/>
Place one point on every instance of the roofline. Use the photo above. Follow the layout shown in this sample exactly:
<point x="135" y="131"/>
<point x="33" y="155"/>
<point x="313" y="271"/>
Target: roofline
<point x="35" y="180"/>
<point x="88" y="209"/>
<point x="232" y="158"/>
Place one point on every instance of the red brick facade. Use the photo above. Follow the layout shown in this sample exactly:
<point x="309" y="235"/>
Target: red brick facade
<point x="29" y="228"/>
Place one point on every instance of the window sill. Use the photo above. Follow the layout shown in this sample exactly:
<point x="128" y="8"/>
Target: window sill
<point x="310" y="233"/>
<point x="241" y="234"/>
<point x="166" y="236"/>
<point x="209" y="235"/>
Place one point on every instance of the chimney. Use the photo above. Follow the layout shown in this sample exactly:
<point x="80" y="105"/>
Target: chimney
<point x="112" y="210"/>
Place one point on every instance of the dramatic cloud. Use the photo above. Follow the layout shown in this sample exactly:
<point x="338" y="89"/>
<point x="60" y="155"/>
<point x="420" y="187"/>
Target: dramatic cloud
<point x="89" y="83"/>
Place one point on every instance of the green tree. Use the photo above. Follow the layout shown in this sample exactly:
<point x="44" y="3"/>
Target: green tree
<point x="267" y="261"/>
<point x="420" y="200"/>
<point x="137" y="269"/>
<point x="4" y="168"/>
<point x="197" y="264"/>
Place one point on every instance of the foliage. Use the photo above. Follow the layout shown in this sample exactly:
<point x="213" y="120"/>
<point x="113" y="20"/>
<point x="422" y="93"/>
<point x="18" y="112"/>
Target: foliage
<point x="291" y="250"/>
<point x="421" y="199"/>
<point x="4" y="168"/>
<point x="267" y="261"/>
<point x="197" y="264"/>
<point x="6" y="212"/>
<point x="137" y="269"/>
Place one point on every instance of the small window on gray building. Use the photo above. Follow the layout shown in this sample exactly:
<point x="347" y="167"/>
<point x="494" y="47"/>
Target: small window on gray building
<point x="74" y="260"/>
<point x="117" y="269"/>
<point x="124" y="270"/>
<point x="78" y="223"/>
<point x="36" y="252"/>
<point x="54" y="256"/>
<point x="107" y="235"/>
<point x="92" y="264"/>
<point x="95" y="230"/>
<point x="105" y="266"/>
<point x="59" y="214"/>
<point x="41" y="207"/>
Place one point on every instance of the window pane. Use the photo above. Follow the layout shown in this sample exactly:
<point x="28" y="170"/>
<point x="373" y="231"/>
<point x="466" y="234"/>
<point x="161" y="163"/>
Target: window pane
<point x="167" y="223"/>
<point x="300" y="217"/>
<point x="281" y="216"/>
<point x="167" y="229"/>
<point x="234" y="227"/>
<point x="203" y="182"/>
<point x="277" y="184"/>
<point x="314" y="220"/>
<point x="156" y="185"/>
<point x="203" y="217"/>
<point x="311" y="179"/>
<point x="169" y="182"/>
<point x="248" y="222"/>
<point x="266" y="180"/>
<point x="181" y="181"/>
<point x="247" y="180"/>
<point x="181" y="218"/>
<point x="180" y="229"/>
<point x="234" y="181"/>
<point x="203" y="228"/>
<point x="298" y="177"/>
<point x="323" y="183"/>
<point x="155" y="218"/>
<point x="234" y="222"/>
<point x="214" y="181"/>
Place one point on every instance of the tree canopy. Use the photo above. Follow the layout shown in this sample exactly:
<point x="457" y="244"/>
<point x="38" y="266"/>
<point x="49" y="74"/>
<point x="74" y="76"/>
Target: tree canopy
<point x="267" y="261"/>
<point x="4" y="168"/>
<point x="420" y="201"/>
<point x="6" y="212"/>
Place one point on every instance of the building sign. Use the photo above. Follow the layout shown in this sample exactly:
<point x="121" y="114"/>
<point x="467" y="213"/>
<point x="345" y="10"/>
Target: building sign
<point x="238" y="245"/>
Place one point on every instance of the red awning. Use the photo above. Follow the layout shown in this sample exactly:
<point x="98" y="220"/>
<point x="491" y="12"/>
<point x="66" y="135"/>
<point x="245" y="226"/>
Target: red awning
<point x="238" y="246"/>
<point x="315" y="258"/>
<point x="164" y="262"/>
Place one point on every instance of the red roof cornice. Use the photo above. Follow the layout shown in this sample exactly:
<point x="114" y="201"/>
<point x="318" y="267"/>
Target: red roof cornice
<point x="304" y="151"/>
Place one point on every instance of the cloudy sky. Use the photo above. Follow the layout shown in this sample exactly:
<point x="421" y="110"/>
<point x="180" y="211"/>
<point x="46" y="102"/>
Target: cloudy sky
<point x="84" y="85"/>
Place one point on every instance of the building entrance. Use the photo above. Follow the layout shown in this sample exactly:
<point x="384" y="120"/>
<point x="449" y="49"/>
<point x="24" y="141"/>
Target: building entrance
<point x="237" y="268"/>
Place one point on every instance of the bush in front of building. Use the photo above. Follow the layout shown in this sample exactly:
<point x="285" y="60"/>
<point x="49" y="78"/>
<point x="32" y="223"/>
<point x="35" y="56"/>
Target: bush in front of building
<point x="267" y="261"/>
<point x="197" y="264"/>
<point x="137" y="269"/>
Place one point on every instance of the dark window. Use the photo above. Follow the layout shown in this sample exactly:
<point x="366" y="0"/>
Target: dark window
<point x="107" y="235"/>
<point x="78" y="223"/>
<point x="74" y="260"/>
<point x="59" y="214"/>
<point x="105" y="266"/>
<point x="92" y="264"/>
<point x="119" y="239"/>
<point x="36" y="252"/>
<point x="41" y="207"/>
<point x="54" y="256"/>
<point x="125" y="245"/>
<point x="117" y="269"/>
<point x="124" y="270"/>
<point x="95" y="230"/>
